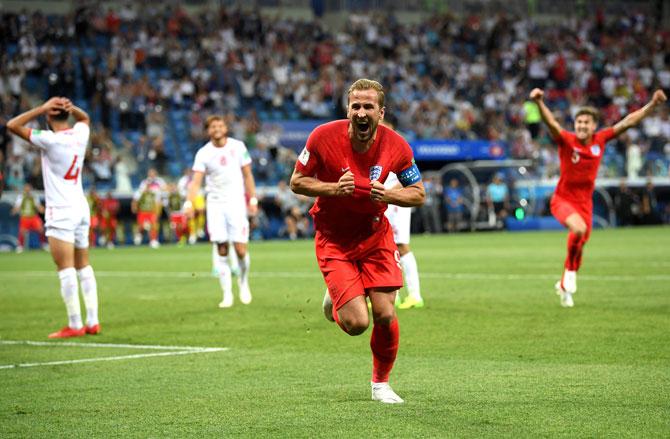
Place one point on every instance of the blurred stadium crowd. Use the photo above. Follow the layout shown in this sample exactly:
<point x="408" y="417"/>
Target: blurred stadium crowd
<point x="150" y="74"/>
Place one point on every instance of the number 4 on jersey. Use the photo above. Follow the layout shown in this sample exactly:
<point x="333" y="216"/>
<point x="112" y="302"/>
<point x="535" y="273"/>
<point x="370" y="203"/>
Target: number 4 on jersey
<point x="73" y="172"/>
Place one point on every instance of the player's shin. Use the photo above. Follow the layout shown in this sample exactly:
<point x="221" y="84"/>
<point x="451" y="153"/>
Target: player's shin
<point x="384" y="345"/>
<point x="69" y="292"/>
<point x="226" y="282"/>
<point x="89" y="290"/>
<point x="411" y="272"/>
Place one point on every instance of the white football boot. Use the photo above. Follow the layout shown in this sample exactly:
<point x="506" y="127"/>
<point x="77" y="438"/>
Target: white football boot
<point x="328" y="307"/>
<point x="227" y="301"/>
<point x="245" y="292"/>
<point x="382" y="392"/>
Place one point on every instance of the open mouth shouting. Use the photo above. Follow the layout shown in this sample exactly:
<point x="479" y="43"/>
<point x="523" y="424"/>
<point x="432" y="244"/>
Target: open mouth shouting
<point x="363" y="128"/>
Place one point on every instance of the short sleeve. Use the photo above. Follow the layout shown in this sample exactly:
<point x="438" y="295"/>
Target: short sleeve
<point x="561" y="139"/>
<point x="308" y="160"/>
<point x="42" y="138"/>
<point x="82" y="132"/>
<point x="199" y="162"/>
<point x="605" y="135"/>
<point x="245" y="157"/>
<point x="406" y="169"/>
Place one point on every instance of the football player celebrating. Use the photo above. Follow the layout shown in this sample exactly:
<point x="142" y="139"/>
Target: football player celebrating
<point x="343" y="165"/>
<point x="580" y="153"/>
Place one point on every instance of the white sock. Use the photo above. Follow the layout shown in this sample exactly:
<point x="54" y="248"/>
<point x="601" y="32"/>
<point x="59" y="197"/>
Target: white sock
<point x="244" y="264"/>
<point x="69" y="290"/>
<point x="89" y="289"/>
<point x="411" y="272"/>
<point x="225" y="277"/>
<point x="233" y="260"/>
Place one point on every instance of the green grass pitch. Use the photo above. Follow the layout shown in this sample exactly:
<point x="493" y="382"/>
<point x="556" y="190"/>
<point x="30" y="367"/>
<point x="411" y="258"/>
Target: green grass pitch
<point x="491" y="355"/>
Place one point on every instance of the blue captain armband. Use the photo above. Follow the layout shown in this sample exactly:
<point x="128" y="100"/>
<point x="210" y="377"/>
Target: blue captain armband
<point x="410" y="175"/>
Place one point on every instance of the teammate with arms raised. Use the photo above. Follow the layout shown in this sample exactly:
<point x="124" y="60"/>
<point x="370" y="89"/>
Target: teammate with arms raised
<point x="342" y="165"/>
<point x="67" y="213"/>
<point x="227" y="164"/>
<point x="580" y="155"/>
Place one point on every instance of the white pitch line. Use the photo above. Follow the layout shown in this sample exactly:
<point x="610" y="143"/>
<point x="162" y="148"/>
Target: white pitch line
<point x="121" y="357"/>
<point x="315" y="274"/>
<point x="103" y="345"/>
<point x="173" y="350"/>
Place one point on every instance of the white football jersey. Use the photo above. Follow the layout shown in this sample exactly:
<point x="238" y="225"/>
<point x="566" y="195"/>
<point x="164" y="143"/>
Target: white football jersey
<point x="391" y="181"/>
<point x="62" y="161"/>
<point x="156" y="185"/>
<point x="223" y="170"/>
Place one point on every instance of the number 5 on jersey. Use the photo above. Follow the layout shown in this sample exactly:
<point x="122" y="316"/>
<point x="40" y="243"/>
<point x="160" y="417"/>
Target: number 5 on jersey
<point x="73" y="172"/>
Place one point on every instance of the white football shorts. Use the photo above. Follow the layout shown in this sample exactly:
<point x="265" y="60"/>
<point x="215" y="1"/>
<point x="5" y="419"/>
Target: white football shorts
<point x="400" y="219"/>
<point x="227" y="222"/>
<point x="69" y="224"/>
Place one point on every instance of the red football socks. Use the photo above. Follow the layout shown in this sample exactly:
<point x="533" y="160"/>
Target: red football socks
<point x="384" y="345"/>
<point x="575" y="245"/>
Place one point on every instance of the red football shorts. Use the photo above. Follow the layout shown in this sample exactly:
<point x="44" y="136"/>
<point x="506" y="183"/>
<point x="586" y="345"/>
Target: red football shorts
<point x="352" y="270"/>
<point x="146" y="217"/>
<point x="32" y="223"/>
<point x="108" y="223"/>
<point x="178" y="219"/>
<point x="561" y="208"/>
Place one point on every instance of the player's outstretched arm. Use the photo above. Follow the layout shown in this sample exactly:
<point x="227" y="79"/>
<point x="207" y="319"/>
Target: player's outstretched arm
<point x="413" y="195"/>
<point x="537" y="95"/>
<point x="636" y="116"/>
<point x="17" y="125"/>
<point x="312" y="187"/>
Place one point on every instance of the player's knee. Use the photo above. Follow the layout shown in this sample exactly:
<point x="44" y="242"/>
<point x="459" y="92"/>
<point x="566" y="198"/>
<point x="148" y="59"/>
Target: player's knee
<point x="355" y="325"/>
<point x="384" y="317"/>
<point x="222" y="248"/>
<point x="579" y="230"/>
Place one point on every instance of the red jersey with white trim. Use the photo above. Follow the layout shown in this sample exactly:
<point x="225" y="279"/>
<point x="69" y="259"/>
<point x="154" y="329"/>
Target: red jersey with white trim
<point x="62" y="160"/>
<point x="328" y="155"/>
<point x="579" y="164"/>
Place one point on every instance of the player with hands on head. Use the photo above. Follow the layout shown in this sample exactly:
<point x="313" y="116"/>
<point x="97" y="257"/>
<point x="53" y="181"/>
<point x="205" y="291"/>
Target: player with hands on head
<point x="580" y="154"/>
<point x="63" y="148"/>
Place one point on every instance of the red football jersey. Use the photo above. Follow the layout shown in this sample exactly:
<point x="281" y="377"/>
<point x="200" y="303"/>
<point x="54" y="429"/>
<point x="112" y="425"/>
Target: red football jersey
<point x="328" y="154"/>
<point x="579" y="164"/>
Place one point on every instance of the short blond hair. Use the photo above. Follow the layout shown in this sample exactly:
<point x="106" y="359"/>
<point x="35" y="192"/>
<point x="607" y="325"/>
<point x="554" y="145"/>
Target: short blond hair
<point x="212" y="118"/>
<point x="368" y="84"/>
<point x="589" y="111"/>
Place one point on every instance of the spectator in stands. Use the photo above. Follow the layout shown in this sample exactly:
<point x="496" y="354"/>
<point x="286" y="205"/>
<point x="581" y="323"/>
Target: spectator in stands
<point x="431" y="217"/>
<point x="454" y="205"/>
<point x="649" y="204"/>
<point x="497" y="201"/>
<point x="625" y="205"/>
<point x="157" y="155"/>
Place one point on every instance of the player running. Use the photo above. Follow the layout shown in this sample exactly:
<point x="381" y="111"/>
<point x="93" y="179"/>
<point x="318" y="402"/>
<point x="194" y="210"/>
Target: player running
<point x="342" y="165"/>
<point x="580" y="155"/>
<point x="67" y="212"/>
<point x="29" y="209"/>
<point x="227" y="164"/>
